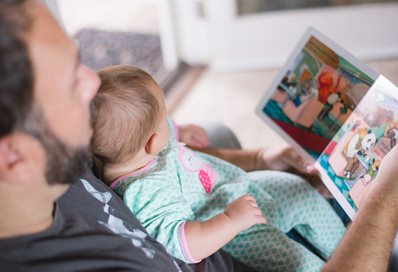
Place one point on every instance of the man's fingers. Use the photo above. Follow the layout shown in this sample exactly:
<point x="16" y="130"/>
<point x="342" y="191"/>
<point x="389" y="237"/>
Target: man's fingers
<point x="314" y="180"/>
<point x="196" y="142"/>
<point x="311" y="169"/>
<point x="296" y="161"/>
<point x="194" y="136"/>
<point x="200" y="141"/>
<point x="325" y="192"/>
<point x="201" y="136"/>
<point x="317" y="183"/>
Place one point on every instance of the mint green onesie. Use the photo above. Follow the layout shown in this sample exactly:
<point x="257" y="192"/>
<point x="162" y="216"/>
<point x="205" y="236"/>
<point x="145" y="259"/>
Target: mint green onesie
<point x="181" y="185"/>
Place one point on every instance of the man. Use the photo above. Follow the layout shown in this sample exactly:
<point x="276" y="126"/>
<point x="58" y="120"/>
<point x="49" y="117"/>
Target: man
<point x="52" y="221"/>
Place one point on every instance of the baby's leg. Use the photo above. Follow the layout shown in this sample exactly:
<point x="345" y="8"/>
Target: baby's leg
<point x="268" y="249"/>
<point x="298" y="205"/>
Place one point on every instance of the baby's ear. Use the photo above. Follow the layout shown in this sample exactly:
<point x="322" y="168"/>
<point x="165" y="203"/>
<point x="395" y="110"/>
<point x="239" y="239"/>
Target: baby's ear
<point x="153" y="146"/>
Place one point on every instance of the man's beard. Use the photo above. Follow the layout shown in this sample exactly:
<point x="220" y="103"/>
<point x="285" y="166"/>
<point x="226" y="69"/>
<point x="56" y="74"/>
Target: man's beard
<point x="64" y="163"/>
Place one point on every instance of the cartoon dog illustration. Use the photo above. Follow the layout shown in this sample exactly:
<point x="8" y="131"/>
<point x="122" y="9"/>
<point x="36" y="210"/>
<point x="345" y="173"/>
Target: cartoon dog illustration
<point x="371" y="173"/>
<point x="359" y="144"/>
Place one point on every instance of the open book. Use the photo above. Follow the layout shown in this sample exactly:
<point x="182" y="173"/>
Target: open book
<point x="337" y="113"/>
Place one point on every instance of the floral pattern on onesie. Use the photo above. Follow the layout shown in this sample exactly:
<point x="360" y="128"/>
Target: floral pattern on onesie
<point x="207" y="176"/>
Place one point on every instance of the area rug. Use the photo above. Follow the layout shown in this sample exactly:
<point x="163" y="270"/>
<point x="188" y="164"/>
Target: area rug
<point x="101" y="48"/>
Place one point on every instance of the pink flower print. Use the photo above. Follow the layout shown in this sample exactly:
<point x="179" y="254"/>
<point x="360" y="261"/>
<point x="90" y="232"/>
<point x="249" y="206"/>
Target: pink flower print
<point x="207" y="176"/>
<point x="188" y="160"/>
<point x="193" y="164"/>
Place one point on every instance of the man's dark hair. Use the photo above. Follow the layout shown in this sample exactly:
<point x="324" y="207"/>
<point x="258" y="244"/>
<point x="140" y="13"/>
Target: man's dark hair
<point x="18" y="112"/>
<point x="16" y="72"/>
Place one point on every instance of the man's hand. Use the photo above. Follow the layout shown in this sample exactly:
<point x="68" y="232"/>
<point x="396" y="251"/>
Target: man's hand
<point x="285" y="158"/>
<point x="244" y="213"/>
<point x="193" y="136"/>
<point x="367" y="244"/>
<point x="385" y="186"/>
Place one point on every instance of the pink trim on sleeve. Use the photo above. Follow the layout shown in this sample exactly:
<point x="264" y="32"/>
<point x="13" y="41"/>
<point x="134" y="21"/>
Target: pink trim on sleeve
<point x="184" y="245"/>
<point x="134" y="173"/>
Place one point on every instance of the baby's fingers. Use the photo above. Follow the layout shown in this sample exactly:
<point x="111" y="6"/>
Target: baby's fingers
<point x="258" y="216"/>
<point x="260" y="219"/>
<point x="248" y="198"/>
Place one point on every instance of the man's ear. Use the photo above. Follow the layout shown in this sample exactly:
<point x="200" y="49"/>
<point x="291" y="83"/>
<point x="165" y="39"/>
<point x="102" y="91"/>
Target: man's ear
<point x="8" y="155"/>
<point x="153" y="146"/>
<point x="20" y="158"/>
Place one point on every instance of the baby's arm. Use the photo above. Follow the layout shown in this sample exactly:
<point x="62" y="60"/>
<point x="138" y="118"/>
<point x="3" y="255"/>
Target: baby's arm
<point x="205" y="238"/>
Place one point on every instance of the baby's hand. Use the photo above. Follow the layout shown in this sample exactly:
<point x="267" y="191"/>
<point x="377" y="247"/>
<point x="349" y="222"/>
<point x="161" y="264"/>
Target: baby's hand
<point x="193" y="136"/>
<point x="245" y="213"/>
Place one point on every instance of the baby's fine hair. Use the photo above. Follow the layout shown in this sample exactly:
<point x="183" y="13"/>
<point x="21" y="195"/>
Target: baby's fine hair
<point x="124" y="112"/>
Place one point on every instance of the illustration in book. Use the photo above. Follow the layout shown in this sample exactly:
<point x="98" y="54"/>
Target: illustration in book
<point x="316" y="95"/>
<point x="337" y="113"/>
<point x="352" y="158"/>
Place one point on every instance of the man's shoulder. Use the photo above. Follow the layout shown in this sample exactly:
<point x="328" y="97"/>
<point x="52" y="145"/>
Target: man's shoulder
<point x="92" y="230"/>
<point x="92" y="199"/>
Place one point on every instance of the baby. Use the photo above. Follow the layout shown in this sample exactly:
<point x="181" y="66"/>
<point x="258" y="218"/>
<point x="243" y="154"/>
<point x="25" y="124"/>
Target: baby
<point x="194" y="203"/>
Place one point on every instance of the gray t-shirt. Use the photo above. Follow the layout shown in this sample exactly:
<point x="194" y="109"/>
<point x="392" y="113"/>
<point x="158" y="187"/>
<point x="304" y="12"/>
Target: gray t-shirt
<point x="94" y="231"/>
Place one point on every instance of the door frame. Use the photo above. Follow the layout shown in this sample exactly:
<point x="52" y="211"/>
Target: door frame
<point x="218" y="37"/>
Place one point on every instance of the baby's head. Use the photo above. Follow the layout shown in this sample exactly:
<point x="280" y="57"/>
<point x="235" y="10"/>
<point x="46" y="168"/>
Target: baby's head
<point x="129" y="116"/>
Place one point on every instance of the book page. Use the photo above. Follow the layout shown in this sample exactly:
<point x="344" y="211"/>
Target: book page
<point x="314" y="94"/>
<point x="351" y="160"/>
